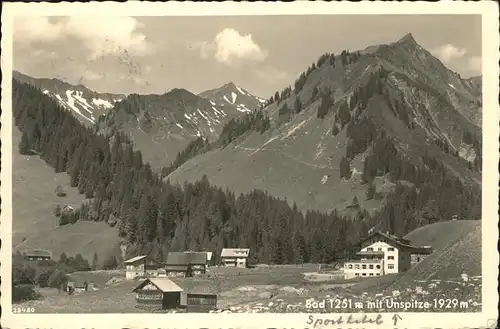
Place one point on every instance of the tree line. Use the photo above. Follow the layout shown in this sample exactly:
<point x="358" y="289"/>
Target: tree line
<point x="155" y="216"/>
<point x="27" y="274"/>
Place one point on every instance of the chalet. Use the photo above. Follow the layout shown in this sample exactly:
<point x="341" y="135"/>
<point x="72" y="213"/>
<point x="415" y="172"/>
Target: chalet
<point x="141" y="266"/>
<point x="382" y="253"/>
<point x="201" y="299"/>
<point x="38" y="254"/>
<point x="186" y="264"/>
<point x="67" y="210"/>
<point x="234" y="257"/>
<point x="158" y="294"/>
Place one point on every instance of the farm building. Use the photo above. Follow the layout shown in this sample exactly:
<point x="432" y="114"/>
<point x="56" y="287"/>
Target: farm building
<point x="382" y="253"/>
<point x="73" y="287"/>
<point x="234" y="257"/>
<point x="158" y="294"/>
<point x="141" y="266"/>
<point x="38" y="254"/>
<point x="201" y="300"/>
<point x="186" y="264"/>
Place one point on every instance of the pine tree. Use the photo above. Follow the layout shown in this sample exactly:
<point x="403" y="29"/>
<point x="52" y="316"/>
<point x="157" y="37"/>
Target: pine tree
<point x="298" y="105"/>
<point x="24" y="147"/>
<point x="370" y="191"/>
<point x="345" y="168"/>
<point x="335" y="130"/>
<point x="95" y="262"/>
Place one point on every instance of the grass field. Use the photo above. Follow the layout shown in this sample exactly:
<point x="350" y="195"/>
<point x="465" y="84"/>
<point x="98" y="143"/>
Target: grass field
<point x="278" y="289"/>
<point x="34" y="224"/>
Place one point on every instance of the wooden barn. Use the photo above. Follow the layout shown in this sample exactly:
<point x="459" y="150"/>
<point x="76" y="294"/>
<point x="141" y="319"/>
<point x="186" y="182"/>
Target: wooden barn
<point x="201" y="300"/>
<point x="37" y="254"/>
<point x="158" y="294"/>
<point x="186" y="264"/>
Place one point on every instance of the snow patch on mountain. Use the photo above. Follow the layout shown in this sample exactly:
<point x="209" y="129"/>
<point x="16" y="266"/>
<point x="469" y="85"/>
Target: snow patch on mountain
<point x="102" y="102"/>
<point x="240" y="90"/>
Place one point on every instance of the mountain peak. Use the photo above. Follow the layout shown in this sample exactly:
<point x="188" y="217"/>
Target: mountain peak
<point x="230" y="84"/>
<point x="407" y="39"/>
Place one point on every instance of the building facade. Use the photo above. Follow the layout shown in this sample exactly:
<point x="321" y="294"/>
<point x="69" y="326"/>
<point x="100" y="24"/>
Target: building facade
<point x="234" y="257"/>
<point x="158" y="294"/>
<point x="38" y="254"/>
<point x="381" y="254"/>
<point x="141" y="266"/>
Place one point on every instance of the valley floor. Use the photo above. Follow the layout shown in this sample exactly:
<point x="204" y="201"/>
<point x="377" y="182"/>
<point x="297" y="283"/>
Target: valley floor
<point x="271" y="289"/>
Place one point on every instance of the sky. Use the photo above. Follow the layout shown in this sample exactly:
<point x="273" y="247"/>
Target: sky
<point x="261" y="54"/>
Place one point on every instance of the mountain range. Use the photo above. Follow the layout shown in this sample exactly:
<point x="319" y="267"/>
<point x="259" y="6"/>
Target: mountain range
<point x="86" y="104"/>
<point x="158" y="125"/>
<point x="315" y="128"/>
<point x="327" y="121"/>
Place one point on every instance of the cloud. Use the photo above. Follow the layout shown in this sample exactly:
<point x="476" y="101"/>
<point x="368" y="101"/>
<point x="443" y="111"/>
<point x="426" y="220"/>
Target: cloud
<point x="99" y="35"/>
<point x="229" y="47"/>
<point x="475" y="64"/>
<point x="448" y="53"/>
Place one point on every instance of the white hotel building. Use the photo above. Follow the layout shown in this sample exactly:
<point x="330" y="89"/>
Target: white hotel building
<point x="382" y="254"/>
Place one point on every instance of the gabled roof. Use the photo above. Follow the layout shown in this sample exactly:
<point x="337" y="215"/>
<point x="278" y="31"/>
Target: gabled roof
<point x="400" y="242"/>
<point x="186" y="258"/>
<point x="38" y="253"/>
<point x="135" y="259"/>
<point x="163" y="284"/>
<point x="202" y="290"/>
<point x="235" y="252"/>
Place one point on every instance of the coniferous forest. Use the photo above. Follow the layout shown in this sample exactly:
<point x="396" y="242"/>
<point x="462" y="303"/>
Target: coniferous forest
<point x="154" y="216"/>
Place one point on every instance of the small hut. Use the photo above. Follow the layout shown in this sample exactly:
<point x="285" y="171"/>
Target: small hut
<point x="158" y="294"/>
<point x="201" y="299"/>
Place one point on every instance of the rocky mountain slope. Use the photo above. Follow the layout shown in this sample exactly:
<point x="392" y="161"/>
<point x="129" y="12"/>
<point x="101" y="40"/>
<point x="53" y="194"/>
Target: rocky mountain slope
<point x="163" y="125"/>
<point x="331" y="117"/>
<point x="233" y="96"/>
<point x="87" y="105"/>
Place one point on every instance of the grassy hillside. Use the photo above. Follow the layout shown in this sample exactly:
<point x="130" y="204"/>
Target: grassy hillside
<point x="457" y="250"/>
<point x="294" y="161"/>
<point x="340" y="106"/>
<point x="34" y="224"/>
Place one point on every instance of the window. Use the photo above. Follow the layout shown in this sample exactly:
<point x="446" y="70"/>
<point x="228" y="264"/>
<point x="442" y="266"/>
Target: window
<point x="356" y="266"/>
<point x="350" y="266"/>
<point x="363" y="267"/>
<point x="370" y="267"/>
<point x="377" y="273"/>
<point x="369" y="249"/>
<point x="390" y="249"/>
<point x="371" y="274"/>
<point x="378" y="267"/>
<point x="357" y="274"/>
<point x="379" y="249"/>
<point x="390" y="257"/>
<point x="390" y="266"/>
<point x="364" y="274"/>
<point x="418" y="259"/>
